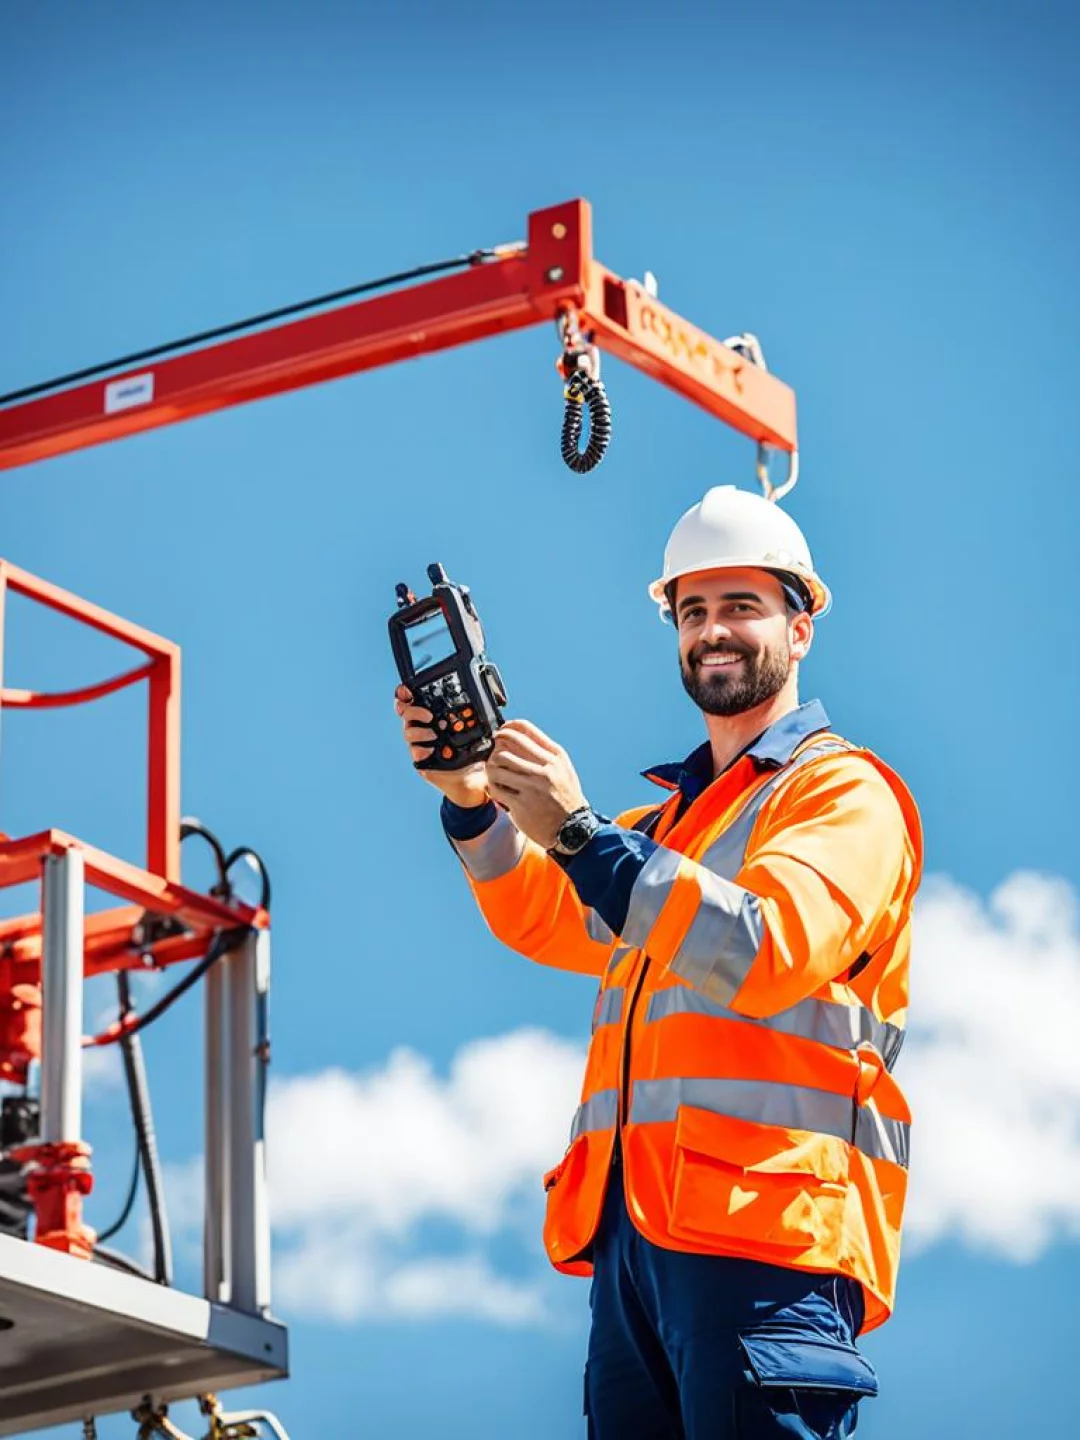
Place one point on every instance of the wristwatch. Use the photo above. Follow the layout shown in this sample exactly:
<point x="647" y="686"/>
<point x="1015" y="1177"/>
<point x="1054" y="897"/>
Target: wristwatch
<point x="576" y="831"/>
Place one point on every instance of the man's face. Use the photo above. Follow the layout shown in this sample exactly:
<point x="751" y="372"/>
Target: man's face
<point x="737" y="641"/>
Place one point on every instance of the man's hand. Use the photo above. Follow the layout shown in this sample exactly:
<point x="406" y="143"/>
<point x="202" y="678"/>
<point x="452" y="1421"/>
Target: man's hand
<point x="533" y="778"/>
<point x="466" y="787"/>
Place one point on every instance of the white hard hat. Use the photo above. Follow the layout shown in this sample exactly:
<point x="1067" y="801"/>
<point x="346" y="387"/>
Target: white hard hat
<point x="732" y="529"/>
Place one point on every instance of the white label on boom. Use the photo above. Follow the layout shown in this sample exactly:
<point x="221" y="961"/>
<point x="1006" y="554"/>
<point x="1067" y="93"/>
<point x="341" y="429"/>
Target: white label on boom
<point x="132" y="390"/>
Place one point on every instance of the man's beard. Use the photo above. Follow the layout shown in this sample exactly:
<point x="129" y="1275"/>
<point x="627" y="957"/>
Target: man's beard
<point x="730" y="692"/>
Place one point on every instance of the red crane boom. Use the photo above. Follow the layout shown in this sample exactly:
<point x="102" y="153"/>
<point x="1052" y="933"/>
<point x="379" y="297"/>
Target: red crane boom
<point x="552" y="274"/>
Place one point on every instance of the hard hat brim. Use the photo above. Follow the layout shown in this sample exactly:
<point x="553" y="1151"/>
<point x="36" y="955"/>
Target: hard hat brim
<point x="820" y="592"/>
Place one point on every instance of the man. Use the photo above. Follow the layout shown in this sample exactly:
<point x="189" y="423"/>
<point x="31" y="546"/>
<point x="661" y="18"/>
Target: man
<point x="737" y="1167"/>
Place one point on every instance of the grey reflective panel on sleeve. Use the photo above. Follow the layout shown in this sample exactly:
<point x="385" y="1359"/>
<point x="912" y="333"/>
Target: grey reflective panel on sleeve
<point x="596" y="928"/>
<point x="609" y="1007"/>
<point x="892" y="1039"/>
<point x="881" y="1136"/>
<point x="494" y="853"/>
<point x="722" y="941"/>
<point x="770" y="1102"/>
<point x="599" y="1112"/>
<point x="651" y="889"/>
<point x="827" y="1021"/>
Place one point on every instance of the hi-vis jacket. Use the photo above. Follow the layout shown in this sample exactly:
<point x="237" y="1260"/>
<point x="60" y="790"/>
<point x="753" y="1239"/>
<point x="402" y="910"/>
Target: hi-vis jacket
<point x="751" y="1007"/>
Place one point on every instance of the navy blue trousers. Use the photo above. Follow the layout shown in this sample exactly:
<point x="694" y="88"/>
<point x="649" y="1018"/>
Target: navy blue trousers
<point x="706" y="1347"/>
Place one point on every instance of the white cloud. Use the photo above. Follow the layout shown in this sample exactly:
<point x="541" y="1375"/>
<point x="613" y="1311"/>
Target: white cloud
<point x="992" y="1066"/>
<point x="359" y="1162"/>
<point x="400" y="1144"/>
<point x="365" y="1166"/>
<point x="353" y="1274"/>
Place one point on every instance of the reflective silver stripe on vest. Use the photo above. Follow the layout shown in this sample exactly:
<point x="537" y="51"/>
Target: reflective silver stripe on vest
<point x="618" y="955"/>
<point x="609" y="1007"/>
<point x="768" y="1102"/>
<point x="596" y="928"/>
<point x="494" y="853"/>
<point x="599" y="1112"/>
<point x="827" y="1021"/>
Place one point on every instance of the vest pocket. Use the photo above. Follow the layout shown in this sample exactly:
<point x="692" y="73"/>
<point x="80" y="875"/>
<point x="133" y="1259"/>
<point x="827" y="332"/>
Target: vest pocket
<point x="757" y="1184"/>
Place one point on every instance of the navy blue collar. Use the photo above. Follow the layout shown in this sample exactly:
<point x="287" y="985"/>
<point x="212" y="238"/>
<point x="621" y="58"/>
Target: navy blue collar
<point x="773" y="748"/>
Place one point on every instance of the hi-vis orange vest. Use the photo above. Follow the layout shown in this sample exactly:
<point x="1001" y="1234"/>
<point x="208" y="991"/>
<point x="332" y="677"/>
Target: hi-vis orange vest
<point x="748" y="1017"/>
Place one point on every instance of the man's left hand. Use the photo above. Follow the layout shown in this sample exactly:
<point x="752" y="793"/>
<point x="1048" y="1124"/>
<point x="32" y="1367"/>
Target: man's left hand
<point x="533" y="778"/>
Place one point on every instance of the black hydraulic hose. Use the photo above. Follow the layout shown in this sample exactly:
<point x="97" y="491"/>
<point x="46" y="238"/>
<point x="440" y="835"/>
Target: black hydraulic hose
<point x="583" y="392"/>
<point x="129" y="1204"/>
<point x="246" y="852"/>
<point x="189" y="826"/>
<point x="222" y="943"/>
<point x="142" y="1116"/>
<point x="418" y="272"/>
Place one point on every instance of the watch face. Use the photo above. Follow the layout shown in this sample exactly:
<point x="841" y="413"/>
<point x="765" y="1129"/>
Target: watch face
<point x="577" y="831"/>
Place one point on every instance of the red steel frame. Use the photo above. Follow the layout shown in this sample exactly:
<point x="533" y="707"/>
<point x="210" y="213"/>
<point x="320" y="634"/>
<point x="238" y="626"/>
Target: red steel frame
<point x="552" y="274"/>
<point x="122" y="937"/>
<point x="160" y="668"/>
<point x="113" y="938"/>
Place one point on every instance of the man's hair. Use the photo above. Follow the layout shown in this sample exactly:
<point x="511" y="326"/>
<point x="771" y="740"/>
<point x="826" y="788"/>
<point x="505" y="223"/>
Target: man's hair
<point x="797" y="595"/>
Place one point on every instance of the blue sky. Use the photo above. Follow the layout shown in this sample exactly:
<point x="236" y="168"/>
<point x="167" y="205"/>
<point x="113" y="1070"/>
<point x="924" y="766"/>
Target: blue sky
<point x="887" y="195"/>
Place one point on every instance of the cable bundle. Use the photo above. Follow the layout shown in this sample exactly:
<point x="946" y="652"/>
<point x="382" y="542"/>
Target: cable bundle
<point x="582" y="392"/>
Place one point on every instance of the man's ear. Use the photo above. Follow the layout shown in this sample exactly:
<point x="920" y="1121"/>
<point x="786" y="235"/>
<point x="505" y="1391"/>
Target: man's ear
<point x="802" y="635"/>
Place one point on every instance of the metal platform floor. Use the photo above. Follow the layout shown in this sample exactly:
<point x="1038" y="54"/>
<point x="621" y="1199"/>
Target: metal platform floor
<point x="80" y="1339"/>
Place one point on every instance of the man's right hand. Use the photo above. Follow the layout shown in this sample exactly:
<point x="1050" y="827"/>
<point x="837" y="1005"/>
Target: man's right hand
<point x="466" y="787"/>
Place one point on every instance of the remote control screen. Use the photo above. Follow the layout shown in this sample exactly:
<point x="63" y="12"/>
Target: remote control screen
<point x="429" y="640"/>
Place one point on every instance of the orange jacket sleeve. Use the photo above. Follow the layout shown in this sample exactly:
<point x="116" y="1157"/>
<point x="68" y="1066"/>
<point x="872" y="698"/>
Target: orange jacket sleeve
<point x="529" y="902"/>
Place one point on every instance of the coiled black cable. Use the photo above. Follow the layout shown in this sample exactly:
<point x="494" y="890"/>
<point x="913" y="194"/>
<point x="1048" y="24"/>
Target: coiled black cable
<point x="582" y="392"/>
